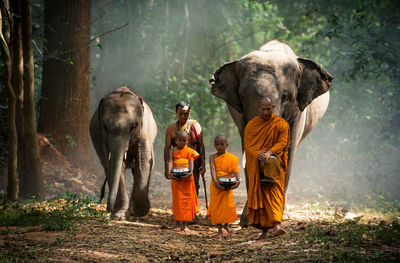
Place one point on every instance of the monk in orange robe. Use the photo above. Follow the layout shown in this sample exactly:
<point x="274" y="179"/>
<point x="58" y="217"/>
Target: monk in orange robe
<point x="222" y="210"/>
<point x="184" y="198"/>
<point x="266" y="137"/>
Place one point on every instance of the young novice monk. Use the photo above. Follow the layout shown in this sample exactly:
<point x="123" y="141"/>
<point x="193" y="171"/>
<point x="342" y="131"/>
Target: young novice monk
<point x="222" y="208"/>
<point x="184" y="198"/>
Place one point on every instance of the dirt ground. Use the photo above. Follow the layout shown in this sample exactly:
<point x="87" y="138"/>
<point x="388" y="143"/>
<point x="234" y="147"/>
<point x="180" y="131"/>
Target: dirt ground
<point x="316" y="233"/>
<point x="152" y="239"/>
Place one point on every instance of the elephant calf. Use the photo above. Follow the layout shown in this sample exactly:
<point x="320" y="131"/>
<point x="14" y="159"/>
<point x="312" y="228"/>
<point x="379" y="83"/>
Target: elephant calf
<point x="123" y="131"/>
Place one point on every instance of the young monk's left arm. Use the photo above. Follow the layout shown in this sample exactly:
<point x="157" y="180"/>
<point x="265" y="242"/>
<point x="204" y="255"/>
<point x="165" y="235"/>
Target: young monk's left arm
<point x="168" y="173"/>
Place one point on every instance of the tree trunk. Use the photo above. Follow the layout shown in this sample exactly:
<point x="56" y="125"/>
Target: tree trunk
<point x="32" y="183"/>
<point x="17" y="83"/>
<point x="166" y="50"/>
<point x="186" y="36"/>
<point x="12" y="184"/>
<point x="64" y="104"/>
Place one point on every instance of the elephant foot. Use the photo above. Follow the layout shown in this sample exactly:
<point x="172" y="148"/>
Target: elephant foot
<point x="139" y="212"/>
<point x="118" y="216"/>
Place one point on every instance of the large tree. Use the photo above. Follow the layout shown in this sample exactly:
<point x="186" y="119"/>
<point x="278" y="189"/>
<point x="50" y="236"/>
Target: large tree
<point x="5" y="39"/>
<point x="16" y="45"/>
<point x="64" y="103"/>
<point x="31" y="182"/>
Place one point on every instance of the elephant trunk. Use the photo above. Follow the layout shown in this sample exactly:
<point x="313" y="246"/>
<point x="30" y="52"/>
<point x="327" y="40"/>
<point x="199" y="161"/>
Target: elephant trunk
<point x="118" y="147"/>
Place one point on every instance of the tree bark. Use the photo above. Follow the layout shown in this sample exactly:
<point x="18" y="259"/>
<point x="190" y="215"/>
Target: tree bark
<point x="17" y="82"/>
<point x="64" y="104"/>
<point x="12" y="184"/>
<point x="32" y="182"/>
<point x="186" y="36"/>
<point x="166" y="47"/>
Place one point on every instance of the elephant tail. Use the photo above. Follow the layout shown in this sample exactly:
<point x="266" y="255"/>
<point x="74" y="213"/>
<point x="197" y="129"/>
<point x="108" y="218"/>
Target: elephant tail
<point x="103" y="190"/>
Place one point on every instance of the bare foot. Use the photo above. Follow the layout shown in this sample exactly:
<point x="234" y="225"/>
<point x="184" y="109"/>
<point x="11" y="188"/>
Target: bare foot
<point x="185" y="229"/>
<point x="263" y="235"/>
<point x="279" y="232"/>
<point x="177" y="229"/>
<point x="229" y="230"/>
<point x="219" y="236"/>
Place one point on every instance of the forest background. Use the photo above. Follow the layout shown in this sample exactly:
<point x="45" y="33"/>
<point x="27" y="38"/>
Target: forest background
<point x="167" y="50"/>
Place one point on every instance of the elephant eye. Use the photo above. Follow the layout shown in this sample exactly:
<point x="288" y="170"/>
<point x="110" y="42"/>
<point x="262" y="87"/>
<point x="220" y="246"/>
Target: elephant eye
<point x="285" y="96"/>
<point x="133" y="126"/>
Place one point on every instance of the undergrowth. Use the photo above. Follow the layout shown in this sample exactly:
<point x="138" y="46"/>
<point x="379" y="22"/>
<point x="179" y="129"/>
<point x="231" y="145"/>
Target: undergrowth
<point x="63" y="213"/>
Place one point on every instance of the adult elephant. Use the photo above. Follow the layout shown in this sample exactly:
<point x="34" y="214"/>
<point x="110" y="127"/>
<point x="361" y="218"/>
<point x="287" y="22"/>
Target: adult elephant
<point x="123" y="131"/>
<point x="298" y="86"/>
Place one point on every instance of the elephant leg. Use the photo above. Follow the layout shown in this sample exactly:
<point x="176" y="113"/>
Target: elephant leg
<point x="103" y="188"/>
<point x="121" y="201"/>
<point x="139" y="204"/>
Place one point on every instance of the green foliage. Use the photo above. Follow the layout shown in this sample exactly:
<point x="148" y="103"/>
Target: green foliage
<point x="58" y="215"/>
<point x="71" y="141"/>
<point x="353" y="232"/>
<point x="351" y="153"/>
<point x="170" y="49"/>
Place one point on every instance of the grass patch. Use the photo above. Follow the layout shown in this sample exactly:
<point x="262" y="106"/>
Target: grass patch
<point x="60" y="214"/>
<point x="347" y="240"/>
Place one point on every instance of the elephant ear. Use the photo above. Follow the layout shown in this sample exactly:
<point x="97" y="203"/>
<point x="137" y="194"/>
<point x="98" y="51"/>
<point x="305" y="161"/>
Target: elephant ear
<point x="141" y="102"/>
<point x="100" y="110"/>
<point x="314" y="81"/>
<point x="225" y="85"/>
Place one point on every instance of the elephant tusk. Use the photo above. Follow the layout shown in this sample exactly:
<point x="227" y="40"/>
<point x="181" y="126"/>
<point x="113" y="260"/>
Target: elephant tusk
<point x="126" y="153"/>
<point x="212" y="81"/>
<point x="109" y="155"/>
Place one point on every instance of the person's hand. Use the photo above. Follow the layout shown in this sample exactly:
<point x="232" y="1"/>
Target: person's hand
<point x="236" y="185"/>
<point x="168" y="175"/>
<point x="202" y="169"/>
<point x="186" y="176"/>
<point x="176" y="178"/>
<point x="218" y="186"/>
<point x="263" y="157"/>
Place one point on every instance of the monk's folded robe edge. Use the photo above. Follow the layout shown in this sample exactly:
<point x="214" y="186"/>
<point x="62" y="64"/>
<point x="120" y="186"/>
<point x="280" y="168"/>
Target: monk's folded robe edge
<point x="270" y="172"/>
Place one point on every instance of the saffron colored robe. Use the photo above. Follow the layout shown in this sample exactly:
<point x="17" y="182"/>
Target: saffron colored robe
<point x="222" y="207"/>
<point x="184" y="198"/>
<point x="265" y="203"/>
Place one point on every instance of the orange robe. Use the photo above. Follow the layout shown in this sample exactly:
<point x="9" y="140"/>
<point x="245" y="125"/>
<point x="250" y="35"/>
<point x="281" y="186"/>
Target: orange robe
<point x="265" y="203"/>
<point x="222" y="208"/>
<point x="184" y="198"/>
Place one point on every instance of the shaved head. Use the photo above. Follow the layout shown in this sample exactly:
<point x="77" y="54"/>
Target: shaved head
<point x="221" y="137"/>
<point x="266" y="107"/>
<point x="181" y="134"/>
<point x="266" y="99"/>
